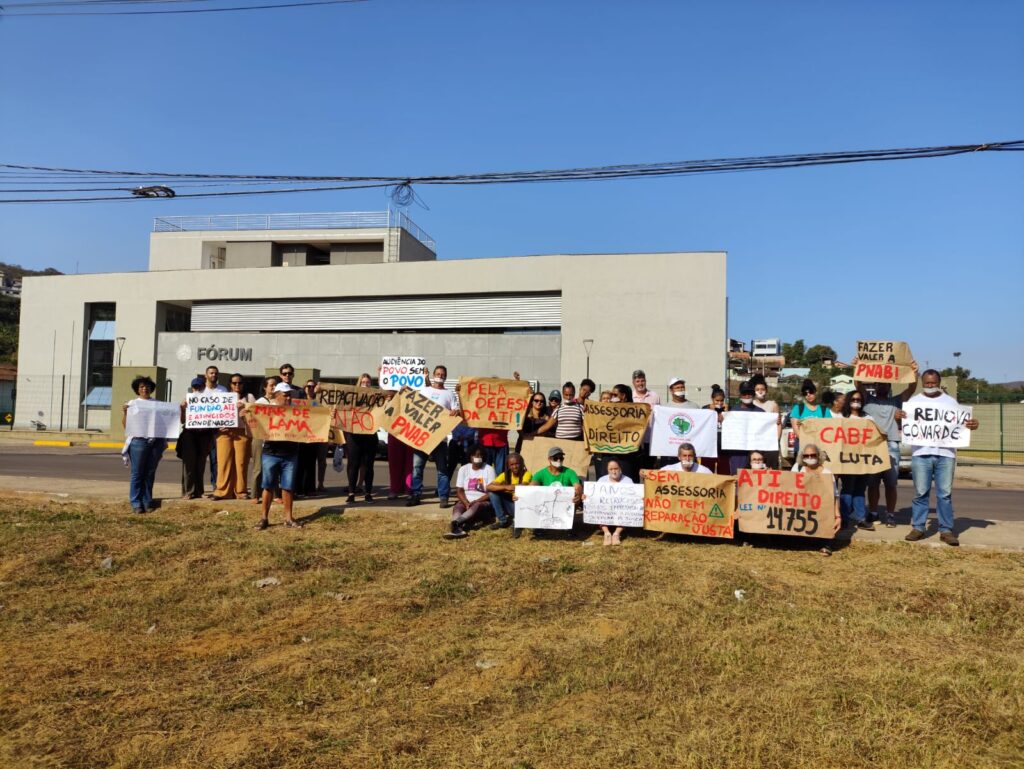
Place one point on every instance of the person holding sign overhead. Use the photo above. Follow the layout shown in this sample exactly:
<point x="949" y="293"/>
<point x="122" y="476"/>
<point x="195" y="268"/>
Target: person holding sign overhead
<point x="933" y="465"/>
<point x="436" y="392"/>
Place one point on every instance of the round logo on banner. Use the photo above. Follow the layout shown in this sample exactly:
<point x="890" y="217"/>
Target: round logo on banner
<point x="184" y="353"/>
<point x="680" y="426"/>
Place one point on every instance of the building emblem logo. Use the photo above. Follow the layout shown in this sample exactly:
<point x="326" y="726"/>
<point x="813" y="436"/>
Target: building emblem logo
<point x="184" y="353"/>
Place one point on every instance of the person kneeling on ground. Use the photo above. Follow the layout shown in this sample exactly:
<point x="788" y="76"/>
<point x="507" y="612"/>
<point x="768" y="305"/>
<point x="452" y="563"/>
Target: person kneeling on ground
<point x="471" y="490"/>
<point x="502" y="490"/>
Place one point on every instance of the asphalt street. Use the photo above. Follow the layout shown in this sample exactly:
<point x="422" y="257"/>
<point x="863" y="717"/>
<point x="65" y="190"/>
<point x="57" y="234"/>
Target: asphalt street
<point x="105" y="465"/>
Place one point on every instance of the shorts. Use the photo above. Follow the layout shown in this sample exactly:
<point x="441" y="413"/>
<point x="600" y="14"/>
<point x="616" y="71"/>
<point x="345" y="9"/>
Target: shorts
<point x="891" y="476"/>
<point x="279" y="472"/>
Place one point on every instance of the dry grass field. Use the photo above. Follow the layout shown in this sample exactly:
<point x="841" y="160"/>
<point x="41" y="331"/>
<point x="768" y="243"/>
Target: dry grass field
<point x="384" y="646"/>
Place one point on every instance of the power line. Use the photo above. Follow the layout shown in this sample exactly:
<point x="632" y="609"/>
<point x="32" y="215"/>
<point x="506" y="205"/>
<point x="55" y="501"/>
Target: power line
<point x="402" y="185"/>
<point x="300" y="4"/>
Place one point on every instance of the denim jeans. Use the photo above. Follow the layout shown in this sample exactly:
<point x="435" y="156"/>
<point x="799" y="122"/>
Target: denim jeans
<point x="279" y="472"/>
<point x="144" y="455"/>
<point x="419" y="462"/>
<point x="495" y="456"/>
<point x="925" y="470"/>
<point x="504" y="507"/>
<point x="852" y="505"/>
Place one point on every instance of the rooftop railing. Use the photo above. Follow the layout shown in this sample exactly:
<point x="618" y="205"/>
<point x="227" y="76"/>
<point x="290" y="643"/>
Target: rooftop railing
<point x="345" y="220"/>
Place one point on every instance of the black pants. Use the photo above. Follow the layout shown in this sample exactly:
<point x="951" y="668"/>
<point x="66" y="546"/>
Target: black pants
<point x="193" y="448"/>
<point x="362" y="451"/>
<point x="305" y="469"/>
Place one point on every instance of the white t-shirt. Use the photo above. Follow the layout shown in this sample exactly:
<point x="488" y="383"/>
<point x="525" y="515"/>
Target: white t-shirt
<point x="474" y="482"/>
<point x="696" y="467"/>
<point x="824" y="471"/>
<point x="624" y="479"/>
<point x="441" y="397"/>
<point x="923" y="401"/>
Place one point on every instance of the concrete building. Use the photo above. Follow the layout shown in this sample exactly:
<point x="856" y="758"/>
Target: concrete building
<point x="336" y="292"/>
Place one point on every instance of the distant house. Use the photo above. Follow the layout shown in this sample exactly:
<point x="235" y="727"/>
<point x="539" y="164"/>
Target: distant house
<point x="794" y="373"/>
<point x="843" y="383"/>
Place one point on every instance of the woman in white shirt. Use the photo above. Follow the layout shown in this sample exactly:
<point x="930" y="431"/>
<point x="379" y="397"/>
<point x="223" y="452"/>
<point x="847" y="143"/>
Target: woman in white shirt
<point x="143" y="453"/>
<point x="614" y="475"/>
<point x="809" y="462"/>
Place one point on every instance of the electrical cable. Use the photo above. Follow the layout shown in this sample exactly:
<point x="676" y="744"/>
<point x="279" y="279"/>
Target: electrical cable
<point x="299" y="4"/>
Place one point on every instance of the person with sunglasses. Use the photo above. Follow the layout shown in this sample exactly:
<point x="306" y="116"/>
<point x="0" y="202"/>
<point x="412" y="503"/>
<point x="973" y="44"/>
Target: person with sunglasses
<point x="537" y="414"/>
<point x="287" y="372"/>
<point x="808" y="408"/>
<point x="809" y="462"/>
<point x="853" y="488"/>
<point x="233" y="447"/>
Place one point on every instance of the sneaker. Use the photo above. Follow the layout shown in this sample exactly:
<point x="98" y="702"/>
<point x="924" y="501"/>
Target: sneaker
<point x="890" y="520"/>
<point x="499" y="525"/>
<point x="350" y="499"/>
<point x="517" y="533"/>
<point x="368" y="498"/>
<point x="138" y="510"/>
<point x="456" y="532"/>
<point x="413" y="501"/>
<point x="865" y="525"/>
<point x="914" y="535"/>
<point x="444" y="504"/>
<point x="949" y="538"/>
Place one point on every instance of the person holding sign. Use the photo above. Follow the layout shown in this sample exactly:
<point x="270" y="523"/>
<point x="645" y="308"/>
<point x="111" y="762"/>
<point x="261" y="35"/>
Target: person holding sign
<point x="771" y="407"/>
<point x="279" y="462"/>
<point x="471" y="489"/>
<point x="233" y="447"/>
<point x="809" y="461"/>
<point x="502" y="490"/>
<point x="361" y="450"/>
<point x="933" y="465"/>
<point x="436" y="392"/>
<point x="193" y="448"/>
<point x="144" y="453"/>
<point x="886" y="410"/>
<point x="853" y="487"/>
<point x="719" y="463"/>
<point x="557" y="474"/>
<point x="738" y="460"/>
<point x="614" y="475"/>
<point x="536" y="415"/>
<point x="688" y="461"/>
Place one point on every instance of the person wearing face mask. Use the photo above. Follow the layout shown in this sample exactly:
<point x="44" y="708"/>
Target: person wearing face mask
<point x="757" y="460"/>
<point x="614" y="475"/>
<point x="688" y="461"/>
<point x="471" y="489"/>
<point x="738" y="459"/>
<point x="771" y="458"/>
<point x="886" y="411"/>
<point x="557" y="474"/>
<point x="930" y="465"/>
<point x="808" y="408"/>
<point x="606" y="396"/>
<point x="676" y="399"/>
<point x="719" y="464"/>
<point x="640" y="394"/>
<point x="629" y="463"/>
<point x="437" y="392"/>
<point x="566" y="416"/>
<point x="852" y="506"/>
<point x="809" y="461"/>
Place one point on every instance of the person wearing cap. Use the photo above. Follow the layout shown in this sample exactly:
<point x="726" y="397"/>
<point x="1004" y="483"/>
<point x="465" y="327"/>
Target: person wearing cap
<point x="566" y="418"/>
<point x="278" y="465"/>
<point x="194" y="447"/>
<point x="554" y="400"/>
<point x="739" y="460"/>
<point x="642" y="395"/>
<point x="557" y="474"/>
<point x="677" y="399"/>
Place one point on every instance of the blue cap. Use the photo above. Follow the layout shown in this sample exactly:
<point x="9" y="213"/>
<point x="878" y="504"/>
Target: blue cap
<point x="199" y="381"/>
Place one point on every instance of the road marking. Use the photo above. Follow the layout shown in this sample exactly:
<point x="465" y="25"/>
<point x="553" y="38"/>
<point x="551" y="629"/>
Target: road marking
<point x="104" y="445"/>
<point x="52" y="443"/>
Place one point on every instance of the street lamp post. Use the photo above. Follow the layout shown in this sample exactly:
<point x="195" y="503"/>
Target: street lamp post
<point x="588" y="345"/>
<point x="120" y="346"/>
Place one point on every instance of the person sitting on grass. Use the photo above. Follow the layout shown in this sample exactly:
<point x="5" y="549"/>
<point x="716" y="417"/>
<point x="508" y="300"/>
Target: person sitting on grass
<point x="809" y="462"/>
<point x="614" y="475"/>
<point x="471" y="490"/>
<point x="557" y="474"/>
<point x="503" y="488"/>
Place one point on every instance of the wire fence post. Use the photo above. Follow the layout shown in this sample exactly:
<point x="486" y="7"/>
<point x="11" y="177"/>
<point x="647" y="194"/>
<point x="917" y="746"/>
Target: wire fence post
<point x="1002" y="455"/>
<point x="61" y="402"/>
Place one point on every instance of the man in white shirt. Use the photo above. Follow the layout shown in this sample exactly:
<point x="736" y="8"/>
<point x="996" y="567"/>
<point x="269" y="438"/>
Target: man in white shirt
<point x="642" y="395"/>
<point x="443" y="397"/>
<point x="930" y="464"/>
<point x="687" y="461"/>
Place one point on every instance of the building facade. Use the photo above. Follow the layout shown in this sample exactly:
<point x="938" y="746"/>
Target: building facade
<point x="337" y="292"/>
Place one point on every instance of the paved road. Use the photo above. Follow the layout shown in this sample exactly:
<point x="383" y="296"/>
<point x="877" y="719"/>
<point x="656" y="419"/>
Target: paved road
<point x="105" y="465"/>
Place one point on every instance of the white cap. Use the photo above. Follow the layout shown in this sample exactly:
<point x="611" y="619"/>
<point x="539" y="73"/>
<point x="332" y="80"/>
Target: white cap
<point x="282" y="387"/>
<point x="674" y="379"/>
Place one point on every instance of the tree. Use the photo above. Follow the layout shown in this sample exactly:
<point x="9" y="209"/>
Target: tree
<point x="819" y="353"/>
<point x="795" y="354"/>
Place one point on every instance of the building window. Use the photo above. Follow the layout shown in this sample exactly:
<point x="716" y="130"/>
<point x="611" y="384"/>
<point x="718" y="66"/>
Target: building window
<point x="219" y="258"/>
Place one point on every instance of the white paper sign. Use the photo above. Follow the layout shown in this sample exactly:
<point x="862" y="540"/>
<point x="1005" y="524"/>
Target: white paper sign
<point x="397" y="372"/>
<point x="153" y="419"/>
<point x="937" y="426"/>
<point x="750" y="431"/>
<point x="672" y="426"/>
<point x="544" y="507"/>
<point x="613" y="504"/>
<point x="212" y="409"/>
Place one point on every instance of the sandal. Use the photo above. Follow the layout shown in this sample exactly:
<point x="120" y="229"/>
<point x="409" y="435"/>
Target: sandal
<point x="263" y="524"/>
<point x="292" y="524"/>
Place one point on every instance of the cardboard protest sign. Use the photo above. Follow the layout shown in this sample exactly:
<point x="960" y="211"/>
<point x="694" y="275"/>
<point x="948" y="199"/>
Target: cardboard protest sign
<point x="613" y="504"/>
<point x="884" y="362"/>
<point x="417" y="421"/>
<point x="699" y="504"/>
<point x="750" y="431"/>
<point x="848" y="446"/>
<point x="397" y="372"/>
<point x="355" y="406"/>
<point x="792" y="504"/>
<point x="208" y="410"/>
<point x="672" y="426"/>
<point x="941" y="426"/>
<point x="535" y="454"/>
<point x="614" y="428"/>
<point x="153" y="419"/>
<point x="297" y="423"/>
<point x="498" y="404"/>
<point x="544" y="507"/>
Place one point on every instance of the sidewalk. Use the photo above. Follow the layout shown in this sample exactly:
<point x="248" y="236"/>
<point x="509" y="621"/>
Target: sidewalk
<point x="974" y="533"/>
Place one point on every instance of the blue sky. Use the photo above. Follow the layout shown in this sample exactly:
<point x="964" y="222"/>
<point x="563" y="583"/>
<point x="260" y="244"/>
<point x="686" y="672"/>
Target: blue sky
<point x="930" y="251"/>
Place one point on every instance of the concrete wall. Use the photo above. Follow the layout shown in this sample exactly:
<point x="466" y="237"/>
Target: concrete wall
<point x="663" y="312"/>
<point x="357" y="253"/>
<point x="411" y="250"/>
<point x="345" y="355"/>
<point x="250" y="254"/>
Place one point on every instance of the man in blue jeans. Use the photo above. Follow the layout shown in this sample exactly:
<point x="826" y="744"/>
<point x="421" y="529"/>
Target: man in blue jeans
<point x="933" y="465"/>
<point x="278" y="465"/>
<point x="437" y="392"/>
